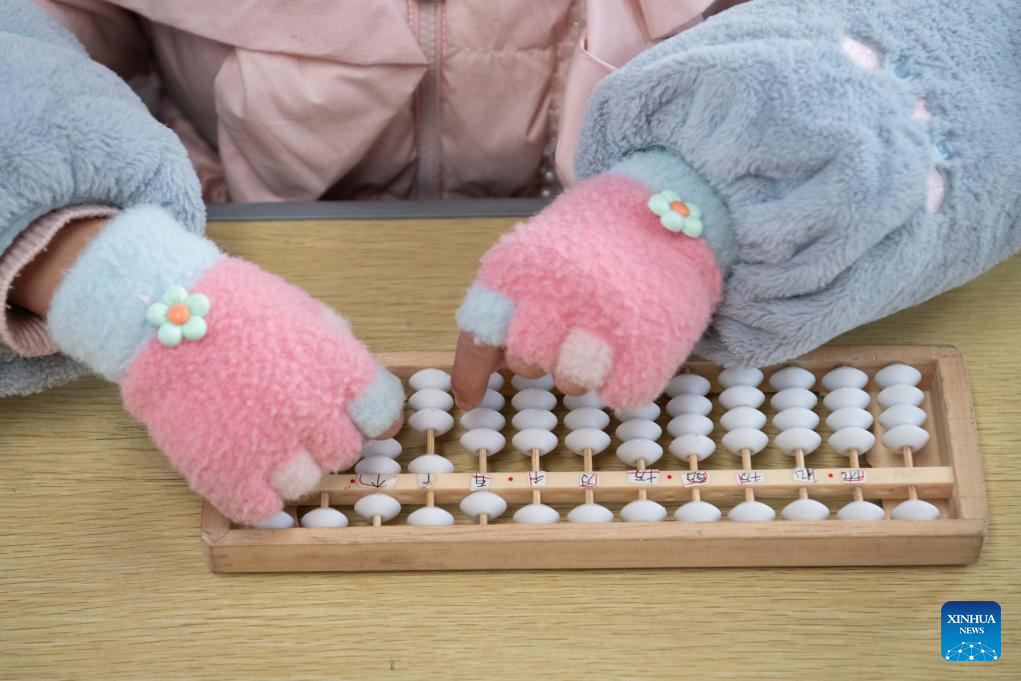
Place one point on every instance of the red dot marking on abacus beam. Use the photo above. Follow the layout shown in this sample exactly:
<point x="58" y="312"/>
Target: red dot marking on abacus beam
<point x="831" y="475"/>
<point x="669" y="477"/>
<point x="510" y="478"/>
<point x="352" y="481"/>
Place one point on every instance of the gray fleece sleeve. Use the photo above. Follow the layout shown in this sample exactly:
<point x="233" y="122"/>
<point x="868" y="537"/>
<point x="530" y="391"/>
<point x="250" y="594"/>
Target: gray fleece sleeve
<point x="72" y="132"/>
<point x="865" y="152"/>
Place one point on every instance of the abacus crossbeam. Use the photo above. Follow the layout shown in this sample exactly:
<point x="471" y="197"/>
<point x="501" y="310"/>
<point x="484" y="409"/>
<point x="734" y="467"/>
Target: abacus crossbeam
<point x="931" y="482"/>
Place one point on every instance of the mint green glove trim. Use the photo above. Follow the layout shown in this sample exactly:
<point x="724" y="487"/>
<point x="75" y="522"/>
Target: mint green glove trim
<point x="708" y="217"/>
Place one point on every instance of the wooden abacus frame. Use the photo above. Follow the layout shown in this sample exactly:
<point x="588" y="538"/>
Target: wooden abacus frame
<point x="948" y="472"/>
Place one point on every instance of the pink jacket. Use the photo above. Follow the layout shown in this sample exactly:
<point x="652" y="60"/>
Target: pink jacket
<point x="283" y="100"/>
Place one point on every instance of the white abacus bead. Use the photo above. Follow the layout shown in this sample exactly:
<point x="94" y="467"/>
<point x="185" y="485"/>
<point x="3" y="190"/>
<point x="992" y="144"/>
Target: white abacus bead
<point x="483" y="501"/>
<point x="689" y="404"/>
<point x="742" y="396"/>
<point x="589" y="399"/>
<point x="684" y="446"/>
<point x="793" y="397"/>
<point x="849" y="417"/>
<point x="846" y="397"/>
<point x="590" y="514"/>
<point x="430" y="515"/>
<point x="688" y="384"/>
<point x="914" y="509"/>
<point x="745" y="438"/>
<point x="643" y="511"/>
<point x="740" y="376"/>
<point x="495" y="381"/>
<point x="483" y="438"/>
<point x="742" y="417"/>
<point x="587" y="438"/>
<point x="480" y="417"/>
<point x="846" y="439"/>
<point x="793" y="439"/>
<point x="280" y="520"/>
<point x="805" y="509"/>
<point x="324" y="517"/>
<point x="534" y="398"/>
<point x="646" y="411"/>
<point x="377" y="465"/>
<point x="792" y="377"/>
<point x="534" y="438"/>
<point x="431" y="398"/>
<point x="898" y="374"/>
<point x="900" y="393"/>
<point x="795" y="417"/>
<point x="689" y="423"/>
<point x="544" y="382"/>
<point x="389" y="448"/>
<point x="536" y="514"/>
<point x="436" y="420"/>
<point x="633" y="451"/>
<point x="382" y="505"/>
<point x="905" y="435"/>
<point x="845" y="377"/>
<point x="697" y="512"/>
<point x="430" y="463"/>
<point x="493" y="400"/>
<point x="751" y="511"/>
<point x="861" y="511"/>
<point x="534" y="418"/>
<point x="430" y="378"/>
<point x="899" y="414"/>
<point x="634" y="429"/>
<point x="586" y="417"/>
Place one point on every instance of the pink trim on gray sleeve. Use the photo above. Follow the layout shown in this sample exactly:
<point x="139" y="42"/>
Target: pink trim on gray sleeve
<point x="24" y="332"/>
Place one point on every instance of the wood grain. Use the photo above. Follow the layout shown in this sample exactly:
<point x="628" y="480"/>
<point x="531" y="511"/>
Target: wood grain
<point x="101" y="575"/>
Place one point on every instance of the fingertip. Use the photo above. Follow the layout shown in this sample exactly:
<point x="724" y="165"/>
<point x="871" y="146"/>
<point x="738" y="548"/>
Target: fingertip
<point x="567" y="386"/>
<point x="394" y="428"/>
<point x="524" y="369"/>
<point x="473" y="363"/>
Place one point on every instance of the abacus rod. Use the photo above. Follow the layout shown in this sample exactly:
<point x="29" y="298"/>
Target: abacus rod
<point x="483" y="457"/>
<point x="430" y="448"/>
<point x="799" y="462"/>
<point x="590" y="495"/>
<point x="536" y="495"/>
<point x="324" y="499"/>
<point x="746" y="464"/>
<point x="696" y="494"/>
<point x="858" y="494"/>
<point x="643" y="493"/>
<point x="909" y="462"/>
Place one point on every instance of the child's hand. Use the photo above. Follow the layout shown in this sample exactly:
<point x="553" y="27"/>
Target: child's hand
<point x="252" y="388"/>
<point x="595" y="290"/>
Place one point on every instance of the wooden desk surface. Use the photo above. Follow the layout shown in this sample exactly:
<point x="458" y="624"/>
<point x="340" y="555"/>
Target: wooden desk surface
<point x="102" y="573"/>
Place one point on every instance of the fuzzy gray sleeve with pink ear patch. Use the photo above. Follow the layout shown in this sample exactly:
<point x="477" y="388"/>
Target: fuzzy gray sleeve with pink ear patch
<point x="865" y="153"/>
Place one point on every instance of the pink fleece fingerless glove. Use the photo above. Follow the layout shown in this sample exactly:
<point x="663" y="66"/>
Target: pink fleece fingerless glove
<point x="252" y="388"/>
<point x="597" y="290"/>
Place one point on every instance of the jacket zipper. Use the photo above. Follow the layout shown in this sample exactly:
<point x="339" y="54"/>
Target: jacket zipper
<point x="428" y="102"/>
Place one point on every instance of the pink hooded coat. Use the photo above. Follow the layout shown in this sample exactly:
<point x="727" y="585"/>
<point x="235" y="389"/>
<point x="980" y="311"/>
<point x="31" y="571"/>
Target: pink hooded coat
<point x="280" y="100"/>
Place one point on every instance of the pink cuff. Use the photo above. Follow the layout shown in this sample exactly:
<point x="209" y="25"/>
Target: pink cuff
<point x="24" y="332"/>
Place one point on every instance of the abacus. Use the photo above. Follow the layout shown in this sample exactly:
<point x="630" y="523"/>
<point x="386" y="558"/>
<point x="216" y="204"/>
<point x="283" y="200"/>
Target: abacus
<point x="730" y="467"/>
